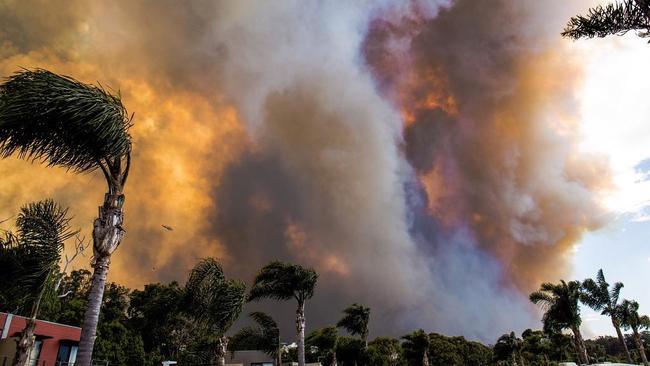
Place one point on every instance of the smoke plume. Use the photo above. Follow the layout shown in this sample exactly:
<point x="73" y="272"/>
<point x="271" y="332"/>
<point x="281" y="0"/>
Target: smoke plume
<point x="422" y="157"/>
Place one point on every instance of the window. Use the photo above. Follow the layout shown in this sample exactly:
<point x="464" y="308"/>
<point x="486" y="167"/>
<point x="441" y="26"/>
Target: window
<point x="67" y="354"/>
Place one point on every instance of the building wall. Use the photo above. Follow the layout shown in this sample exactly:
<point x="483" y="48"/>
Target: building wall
<point x="54" y="333"/>
<point x="245" y="358"/>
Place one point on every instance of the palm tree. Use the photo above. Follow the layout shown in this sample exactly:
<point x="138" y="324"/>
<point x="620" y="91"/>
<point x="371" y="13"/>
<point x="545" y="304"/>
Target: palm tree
<point x="30" y="260"/>
<point x="416" y="347"/>
<point x="598" y="296"/>
<point x="214" y="302"/>
<point x="264" y="336"/>
<point x="283" y="281"/>
<point x="560" y="303"/>
<point x="355" y="320"/>
<point x="62" y="122"/>
<point x="630" y="319"/>
<point x="614" y="19"/>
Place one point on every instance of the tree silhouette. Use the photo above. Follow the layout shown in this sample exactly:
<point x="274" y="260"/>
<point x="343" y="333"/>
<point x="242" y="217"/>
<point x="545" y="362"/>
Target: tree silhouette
<point x="562" y="311"/>
<point x="355" y="320"/>
<point x="283" y="281"/>
<point x="30" y="258"/>
<point x="598" y="296"/>
<point x="61" y="122"/>
<point x="613" y="19"/>
<point x="214" y="302"/>
<point x="630" y="319"/>
<point x="264" y="336"/>
<point x="416" y="348"/>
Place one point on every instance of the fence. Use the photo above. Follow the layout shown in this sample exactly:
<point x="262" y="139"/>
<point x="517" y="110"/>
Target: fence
<point x="7" y="361"/>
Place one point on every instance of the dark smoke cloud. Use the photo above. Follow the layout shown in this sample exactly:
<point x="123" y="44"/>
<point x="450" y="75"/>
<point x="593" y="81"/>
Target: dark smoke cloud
<point x="302" y="131"/>
<point x="503" y="158"/>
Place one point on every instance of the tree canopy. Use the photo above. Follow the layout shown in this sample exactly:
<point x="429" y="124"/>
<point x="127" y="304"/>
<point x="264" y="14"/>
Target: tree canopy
<point x="56" y="119"/>
<point x="283" y="281"/>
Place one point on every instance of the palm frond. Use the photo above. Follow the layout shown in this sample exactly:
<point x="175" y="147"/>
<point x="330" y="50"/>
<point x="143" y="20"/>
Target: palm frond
<point x="211" y="299"/>
<point x="541" y="298"/>
<point x="265" y="337"/>
<point x="355" y="320"/>
<point x="58" y="120"/>
<point x="29" y="257"/>
<point x="264" y="321"/>
<point x="283" y="281"/>
<point x="615" y="292"/>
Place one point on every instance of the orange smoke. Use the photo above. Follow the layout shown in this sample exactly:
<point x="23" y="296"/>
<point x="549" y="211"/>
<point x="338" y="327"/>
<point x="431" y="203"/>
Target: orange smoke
<point x="494" y="142"/>
<point x="298" y="242"/>
<point x="182" y="142"/>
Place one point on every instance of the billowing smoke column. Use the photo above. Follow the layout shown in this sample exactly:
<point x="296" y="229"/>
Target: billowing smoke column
<point x="490" y="127"/>
<point x="421" y="156"/>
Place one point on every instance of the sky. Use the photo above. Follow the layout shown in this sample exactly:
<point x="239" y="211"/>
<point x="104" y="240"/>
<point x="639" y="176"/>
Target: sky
<point x="435" y="160"/>
<point x="615" y="123"/>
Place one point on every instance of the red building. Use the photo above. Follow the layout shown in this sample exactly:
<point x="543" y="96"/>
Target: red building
<point x="56" y="344"/>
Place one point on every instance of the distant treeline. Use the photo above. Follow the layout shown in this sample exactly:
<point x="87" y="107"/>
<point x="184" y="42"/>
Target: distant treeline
<point x="144" y="327"/>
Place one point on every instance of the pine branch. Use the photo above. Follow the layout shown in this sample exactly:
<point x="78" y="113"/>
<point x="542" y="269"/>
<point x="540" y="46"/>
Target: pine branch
<point x="612" y="19"/>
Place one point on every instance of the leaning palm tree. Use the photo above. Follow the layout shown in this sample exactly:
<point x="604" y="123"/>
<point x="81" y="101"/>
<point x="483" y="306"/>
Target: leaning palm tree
<point x="630" y="319"/>
<point x="560" y="303"/>
<point x="214" y="302"/>
<point x="283" y="281"/>
<point x="598" y="296"/>
<point x="264" y="336"/>
<point x="355" y="320"/>
<point x="613" y="19"/>
<point x="59" y="121"/>
<point x="416" y="347"/>
<point x="30" y="261"/>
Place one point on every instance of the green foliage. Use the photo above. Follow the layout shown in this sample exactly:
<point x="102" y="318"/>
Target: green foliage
<point x="457" y="351"/>
<point x="613" y="19"/>
<point x="560" y="303"/>
<point x="415" y="346"/>
<point x="628" y="311"/>
<point x="508" y="347"/>
<point x="385" y="351"/>
<point x="350" y="351"/>
<point x="320" y="344"/>
<point x="152" y="313"/>
<point x="264" y="336"/>
<point x="29" y="259"/>
<point x="598" y="296"/>
<point x="212" y="300"/>
<point x="284" y="281"/>
<point x="53" y="118"/>
<point x="355" y="320"/>
<point x="119" y="345"/>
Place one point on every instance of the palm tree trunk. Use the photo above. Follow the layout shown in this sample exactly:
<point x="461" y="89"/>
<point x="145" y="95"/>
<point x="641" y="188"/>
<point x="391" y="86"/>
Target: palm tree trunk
<point x="222" y="348"/>
<point x="91" y="317"/>
<point x="24" y="344"/>
<point x="300" y="328"/>
<point x="621" y="339"/>
<point x="639" y="345"/>
<point x="580" y="343"/>
<point x="26" y="341"/>
<point x="107" y="235"/>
